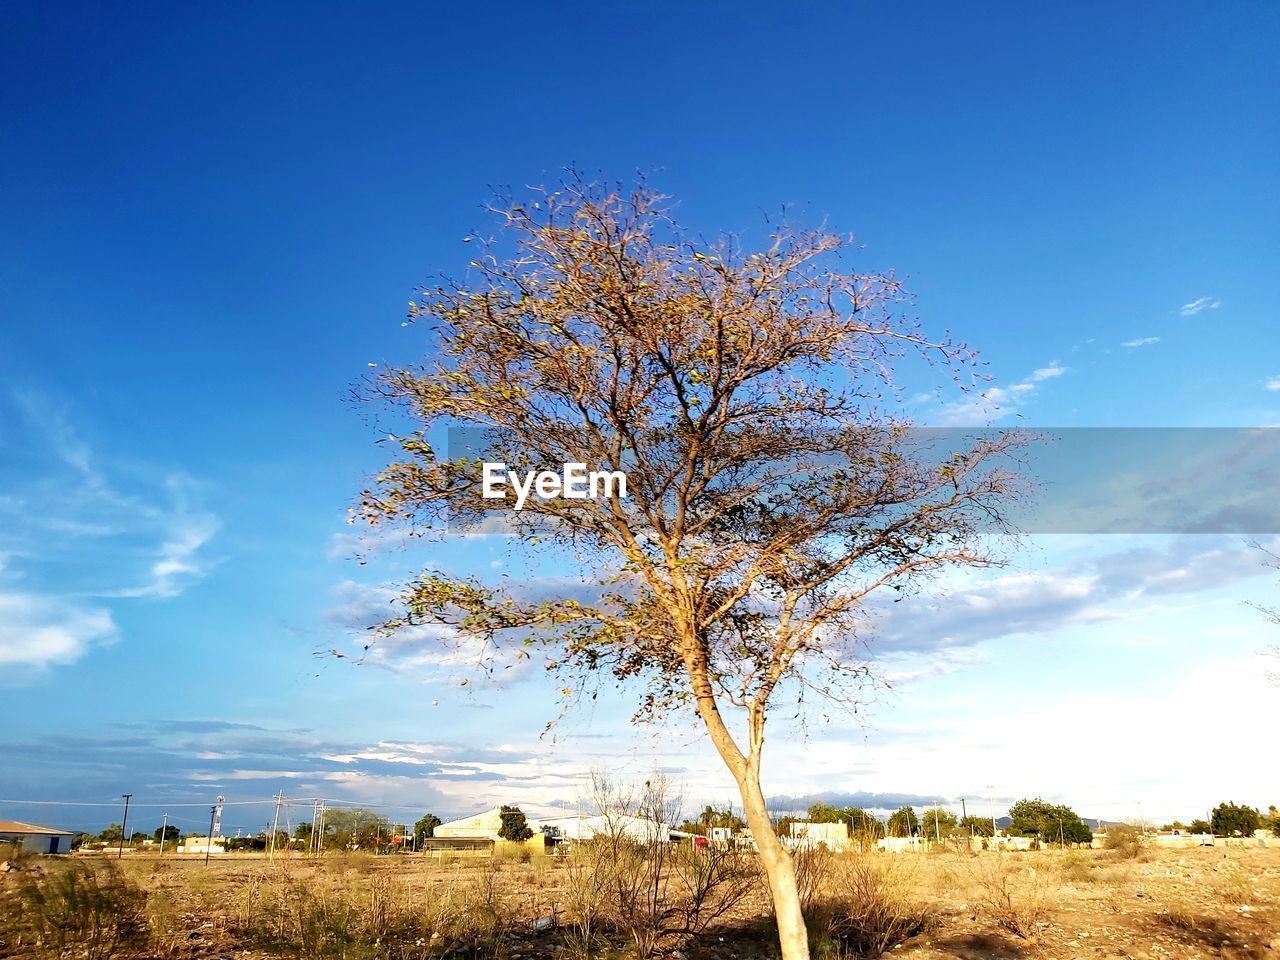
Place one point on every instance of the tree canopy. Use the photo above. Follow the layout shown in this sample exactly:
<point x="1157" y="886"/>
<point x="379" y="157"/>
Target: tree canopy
<point x="1051" y="823"/>
<point x="770" y="490"/>
<point x="1229" y="819"/>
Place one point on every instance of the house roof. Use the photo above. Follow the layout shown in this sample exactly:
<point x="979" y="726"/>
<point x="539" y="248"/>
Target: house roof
<point x="17" y="826"/>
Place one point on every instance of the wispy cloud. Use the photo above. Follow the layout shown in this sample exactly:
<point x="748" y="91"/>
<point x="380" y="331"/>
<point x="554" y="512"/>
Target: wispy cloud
<point x="111" y="533"/>
<point x="1273" y="383"/>
<point x="996" y="402"/>
<point x="1199" y="305"/>
<point x="1140" y="342"/>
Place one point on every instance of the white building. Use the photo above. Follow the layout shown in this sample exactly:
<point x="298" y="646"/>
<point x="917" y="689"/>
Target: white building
<point x="34" y="838"/>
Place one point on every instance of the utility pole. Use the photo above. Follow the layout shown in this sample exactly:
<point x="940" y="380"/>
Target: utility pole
<point x="215" y="821"/>
<point x="275" y="826"/>
<point x="937" y="830"/>
<point x="213" y="813"/>
<point x="164" y="828"/>
<point x="315" y="822"/>
<point x="124" y="824"/>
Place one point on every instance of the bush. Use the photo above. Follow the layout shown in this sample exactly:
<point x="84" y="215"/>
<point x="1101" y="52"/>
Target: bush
<point x="1125" y="840"/>
<point x="873" y="905"/>
<point x="89" y="911"/>
<point x="1012" y="898"/>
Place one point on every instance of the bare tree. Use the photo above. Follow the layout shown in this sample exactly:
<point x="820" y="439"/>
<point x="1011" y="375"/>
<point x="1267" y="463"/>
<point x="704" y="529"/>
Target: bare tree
<point x="1271" y="613"/>
<point x="769" y="491"/>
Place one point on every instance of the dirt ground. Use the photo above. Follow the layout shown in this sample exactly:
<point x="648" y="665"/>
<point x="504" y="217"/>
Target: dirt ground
<point x="1191" y="903"/>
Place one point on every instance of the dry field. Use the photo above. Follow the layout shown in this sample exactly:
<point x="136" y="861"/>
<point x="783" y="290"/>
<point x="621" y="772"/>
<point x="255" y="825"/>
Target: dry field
<point x="1203" y="902"/>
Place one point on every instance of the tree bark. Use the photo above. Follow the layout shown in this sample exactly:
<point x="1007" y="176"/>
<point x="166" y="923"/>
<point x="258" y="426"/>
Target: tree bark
<point x="779" y="869"/>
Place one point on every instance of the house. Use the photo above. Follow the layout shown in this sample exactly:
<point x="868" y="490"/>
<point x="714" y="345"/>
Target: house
<point x="806" y="835"/>
<point x="584" y="827"/>
<point x="479" y="826"/>
<point x="202" y="845"/>
<point x="34" y="838"/>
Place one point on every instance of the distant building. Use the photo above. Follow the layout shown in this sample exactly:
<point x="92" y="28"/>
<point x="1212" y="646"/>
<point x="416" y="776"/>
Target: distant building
<point x="807" y="835"/>
<point x="202" y="845"/>
<point x="34" y="838"/>
<point x="485" y="825"/>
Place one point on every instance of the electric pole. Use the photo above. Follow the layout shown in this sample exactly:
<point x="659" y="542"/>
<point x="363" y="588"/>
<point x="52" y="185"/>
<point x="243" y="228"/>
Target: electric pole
<point x="275" y="826"/>
<point x="164" y="828"/>
<point x="213" y="813"/>
<point x="124" y="824"/>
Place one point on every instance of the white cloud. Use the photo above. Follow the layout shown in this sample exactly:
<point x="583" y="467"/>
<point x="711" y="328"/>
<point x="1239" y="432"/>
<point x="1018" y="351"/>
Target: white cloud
<point x="110" y="531"/>
<point x="177" y="564"/>
<point x="1273" y="383"/>
<point x="37" y="631"/>
<point x="1140" y="342"/>
<point x="996" y="402"/>
<point x="1198" y="305"/>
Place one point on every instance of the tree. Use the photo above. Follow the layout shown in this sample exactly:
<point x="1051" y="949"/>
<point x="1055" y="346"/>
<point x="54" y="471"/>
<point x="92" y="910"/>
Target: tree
<point x="170" y="834"/>
<point x="903" y="822"/>
<point x="425" y="827"/>
<point x="112" y="832"/>
<point x="515" y="826"/>
<point x="977" y="826"/>
<point x="355" y="828"/>
<point x="1048" y="822"/>
<point x="768" y="494"/>
<point x="936" y="821"/>
<point x="1271" y="613"/>
<point x="1229" y="819"/>
<point x="710" y="818"/>
<point x="1200" y="826"/>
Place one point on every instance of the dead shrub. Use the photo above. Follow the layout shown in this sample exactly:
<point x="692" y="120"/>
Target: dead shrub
<point x="1125" y="840"/>
<point x="813" y="866"/>
<point x="873" y="905"/>
<point x="1013" y="897"/>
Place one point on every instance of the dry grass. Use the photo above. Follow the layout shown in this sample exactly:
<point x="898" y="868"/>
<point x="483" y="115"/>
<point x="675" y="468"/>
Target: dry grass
<point x="360" y="907"/>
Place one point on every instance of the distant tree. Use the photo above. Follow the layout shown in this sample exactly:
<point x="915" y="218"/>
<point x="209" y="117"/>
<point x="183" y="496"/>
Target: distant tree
<point x="515" y="826"/>
<point x="1048" y="822"/>
<point x="355" y="828"/>
<point x="425" y="827"/>
<point x="170" y="834"/>
<point x="824" y="813"/>
<point x="138" y="837"/>
<point x="112" y="832"/>
<point x="303" y="831"/>
<point x="771" y="492"/>
<point x="935" y="821"/>
<point x="80" y="838"/>
<point x="977" y="826"/>
<point x="1200" y="826"/>
<point x="861" y="823"/>
<point x="1229" y="819"/>
<point x="903" y="822"/>
<point x="1273" y="820"/>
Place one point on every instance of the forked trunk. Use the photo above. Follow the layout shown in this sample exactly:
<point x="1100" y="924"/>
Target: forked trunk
<point x="779" y="868"/>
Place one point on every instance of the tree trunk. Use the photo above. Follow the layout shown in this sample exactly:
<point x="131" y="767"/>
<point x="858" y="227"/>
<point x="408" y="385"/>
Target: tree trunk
<point x="779" y="869"/>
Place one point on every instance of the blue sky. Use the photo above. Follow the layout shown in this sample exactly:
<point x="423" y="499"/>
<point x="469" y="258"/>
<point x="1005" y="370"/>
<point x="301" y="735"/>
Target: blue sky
<point x="210" y="221"/>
